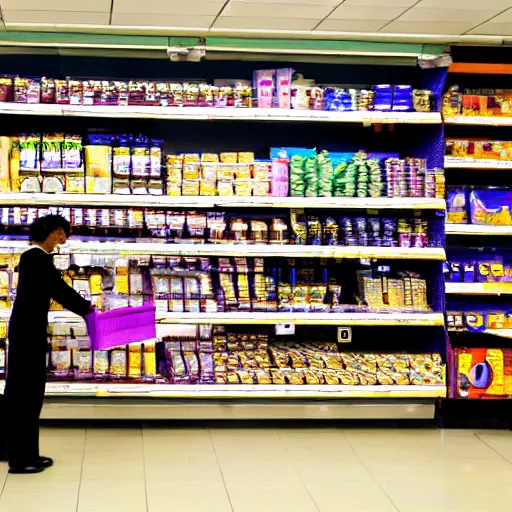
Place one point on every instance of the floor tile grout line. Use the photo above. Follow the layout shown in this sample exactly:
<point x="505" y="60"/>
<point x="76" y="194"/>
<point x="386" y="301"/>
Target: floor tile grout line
<point x="493" y="449"/>
<point x="144" y="465"/>
<point x="369" y="472"/>
<point x="300" y="476"/>
<point x="220" y="469"/>
<point x="81" y="471"/>
<point x="4" y="484"/>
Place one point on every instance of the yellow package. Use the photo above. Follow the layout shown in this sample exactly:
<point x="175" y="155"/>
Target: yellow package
<point x="98" y="165"/>
<point x="118" y="363"/>
<point x="134" y="361"/>
<point x="243" y="172"/>
<point x="95" y="281"/>
<point x="229" y="158"/>
<point x="190" y="187"/>
<point x="5" y="182"/>
<point x="149" y="360"/>
<point x="246" y="158"/>
<point x="173" y="189"/>
<point x="122" y="282"/>
<point x="3" y="330"/>
<point x="207" y="188"/>
<point x="496" y="320"/>
<point x="14" y="164"/>
<point x="209" y="157"/>
<point x="191" y="166"/>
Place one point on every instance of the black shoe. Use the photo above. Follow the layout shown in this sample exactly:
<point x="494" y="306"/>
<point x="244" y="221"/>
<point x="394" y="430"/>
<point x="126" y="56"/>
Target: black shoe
<point x="45" y="462"/>
<point x="25" y="470"/>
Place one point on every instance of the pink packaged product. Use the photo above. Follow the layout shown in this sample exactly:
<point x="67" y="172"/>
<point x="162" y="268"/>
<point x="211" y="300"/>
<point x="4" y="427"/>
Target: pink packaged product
<point x="283" y="88"/>
<point x="264" y="84"/>
<point x="279" y="179"/>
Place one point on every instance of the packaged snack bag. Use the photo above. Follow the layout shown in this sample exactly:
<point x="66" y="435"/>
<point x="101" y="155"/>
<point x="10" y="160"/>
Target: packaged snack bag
<point x="98" y="178"/>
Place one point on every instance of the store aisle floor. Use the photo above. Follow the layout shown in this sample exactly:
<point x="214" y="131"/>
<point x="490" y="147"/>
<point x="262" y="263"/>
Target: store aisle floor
<point x="266" y="469"/>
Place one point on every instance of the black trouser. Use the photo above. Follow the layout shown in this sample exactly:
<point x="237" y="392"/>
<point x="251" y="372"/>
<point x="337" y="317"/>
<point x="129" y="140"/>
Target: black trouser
<point x="24" y="395"/>
<point x="3" y="454"/>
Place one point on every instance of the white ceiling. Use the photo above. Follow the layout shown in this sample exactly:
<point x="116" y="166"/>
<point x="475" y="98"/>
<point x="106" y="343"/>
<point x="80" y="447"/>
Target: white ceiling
<point x="442" y="17"/>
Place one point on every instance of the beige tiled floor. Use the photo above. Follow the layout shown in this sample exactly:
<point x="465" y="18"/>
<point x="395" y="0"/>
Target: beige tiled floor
<point x="266" y="470"/>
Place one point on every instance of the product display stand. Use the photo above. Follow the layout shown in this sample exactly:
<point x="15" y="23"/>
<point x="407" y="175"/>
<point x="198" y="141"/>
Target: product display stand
<point x="404" y="331"/>
<point x="479" y="284"/>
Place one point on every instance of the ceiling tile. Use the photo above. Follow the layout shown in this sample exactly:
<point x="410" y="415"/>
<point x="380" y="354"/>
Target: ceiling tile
<point x="56" y="5"/>
<point x="474" y="16"/>
<point x="493" y="29"/>
<point x="350" y="25"/>
<point x="327" y="3"/>
<point x="162" y="20"/>
<point x="498" y="5"/>
<point x="265" y="23"/>
<point x="380" y="3"/>
<point x="239" y="9"/>
<point x="199" y="7"/>
<point x="418" y="27"/>
<point x="54" y="17"/>
<point x="504" y="17"/>
<point x="344" y="12"/>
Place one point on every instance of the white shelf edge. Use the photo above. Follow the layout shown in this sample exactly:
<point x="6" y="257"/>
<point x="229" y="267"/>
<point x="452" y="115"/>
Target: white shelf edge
<point x="212" y="391"/>
<point x="247" y="250"/>
<point x="472" y="163"/>
<point x="272" y="318"/>
<point x="479" y="120"/>
<point x="212" y="113"/>
<point x="478" y="289"/>
<point x="148" y="201"/>
<point x="477" y="229"/>
<point x="501" y="333"/>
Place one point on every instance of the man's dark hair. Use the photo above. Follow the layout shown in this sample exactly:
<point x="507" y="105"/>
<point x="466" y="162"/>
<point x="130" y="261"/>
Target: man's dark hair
<point x="43" y="227"/>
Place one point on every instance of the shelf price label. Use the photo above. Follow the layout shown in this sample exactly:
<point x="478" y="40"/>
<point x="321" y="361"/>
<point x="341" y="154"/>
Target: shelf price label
<point x="344" y="335"/>
<point x="285" y="329"/>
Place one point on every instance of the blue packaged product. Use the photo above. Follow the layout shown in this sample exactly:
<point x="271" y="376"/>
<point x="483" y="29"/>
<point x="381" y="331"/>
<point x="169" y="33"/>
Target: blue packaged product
<point x="402" y="98"/>
<point x="469" y="272"/>
<point x="383" y="97"/>
<point x="484" y="272"/>
<point x="475" y="321"/>
<point x="455" y="274"/>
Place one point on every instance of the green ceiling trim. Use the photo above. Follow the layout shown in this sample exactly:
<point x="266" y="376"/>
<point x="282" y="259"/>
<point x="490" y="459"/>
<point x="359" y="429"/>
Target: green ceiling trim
<point x="64" y="38"/>
<point x="324" y="45"/>
<point x="140" y="41"/>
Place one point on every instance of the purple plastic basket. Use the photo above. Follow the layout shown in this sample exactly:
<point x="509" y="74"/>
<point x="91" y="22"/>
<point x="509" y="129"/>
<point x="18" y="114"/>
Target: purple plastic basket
<point x="121" y="326"/>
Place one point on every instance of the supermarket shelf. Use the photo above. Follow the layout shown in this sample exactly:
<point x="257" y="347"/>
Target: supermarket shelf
<point x="73" y="408"/>
<point x="53" y="316"/>
<point x="202" y="391"/>
<point x="477" y="164"/>
<point x="479" y="120"/>
<point x="246" y="250"/>
<point x="148" y="201"/>
<point x="211" y="114"/>
<point x="272" y="318"/>
<point x="340" y="319"/>
<point x="502" y="333"/>
<point x="477" y="229"/>
<point x="479" y="288"/>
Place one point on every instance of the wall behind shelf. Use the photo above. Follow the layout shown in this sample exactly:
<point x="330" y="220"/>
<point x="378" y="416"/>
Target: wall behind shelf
<point x="127" y="68"/>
